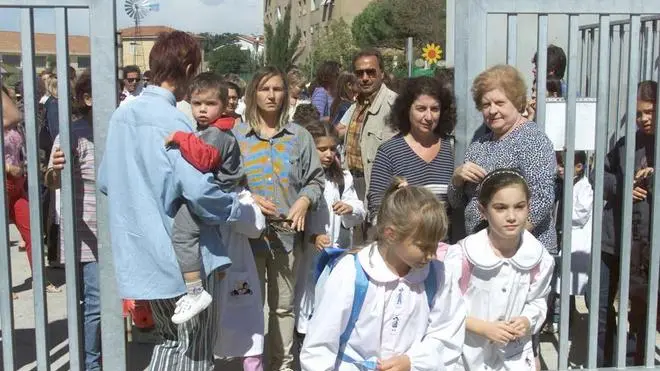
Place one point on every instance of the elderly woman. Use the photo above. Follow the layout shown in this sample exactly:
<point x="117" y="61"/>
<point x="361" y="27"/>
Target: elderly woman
<point x="286" y="179"/>
<point x="422" y="153"/>
<point x="514" y="142"/>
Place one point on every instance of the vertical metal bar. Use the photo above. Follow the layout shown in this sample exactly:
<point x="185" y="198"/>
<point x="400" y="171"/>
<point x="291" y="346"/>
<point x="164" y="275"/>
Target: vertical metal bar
<point x="597" y="218"/>
<point x="512" y="39"/>
<point x="34" y="189"/>
<point x="642" y="52"/>
<point x="618" y="92"/>
<point x="592" y="72"/>
<point x="629" y="172"/>
<point x="71" y="250"/>
<point x="569" y="170"/>
<point x="541" y="69"/>
<point x="654" y="263"/>
<point x="409" y="54"/>
<point x="582" y="49"/>
<point x="102" y="15"/>
<point x="654" y="42"/>
<point x="450" y="27"/>
<point x="649" y="48"/>
<point x="6" y="300"/>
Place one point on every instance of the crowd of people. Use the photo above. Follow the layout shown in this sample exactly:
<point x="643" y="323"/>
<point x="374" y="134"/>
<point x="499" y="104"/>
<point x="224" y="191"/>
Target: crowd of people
<point x="338" y="203"/>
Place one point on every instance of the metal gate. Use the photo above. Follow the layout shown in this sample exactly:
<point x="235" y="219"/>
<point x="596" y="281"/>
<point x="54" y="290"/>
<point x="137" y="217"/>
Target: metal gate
<point x="470" y="58"/>
<point x="104" y="82"/>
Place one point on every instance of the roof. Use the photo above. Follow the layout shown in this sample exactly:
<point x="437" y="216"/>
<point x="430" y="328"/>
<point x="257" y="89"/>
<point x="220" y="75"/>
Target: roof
<point x="145" y="31"/>
<point x="251" y="39"/>
<point x="44" y="43"/>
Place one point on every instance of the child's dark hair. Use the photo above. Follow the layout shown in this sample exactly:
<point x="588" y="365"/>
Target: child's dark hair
<point x="209" y="81"/>
<point x="581" y="158"/>
<point x="305" y="113"/>
<point x="498" y="179"/>
<point x="318" y="130"/>
<point x="553" y="87"/>
<point x="82" y="87"/>
<point x="413" y="212"/>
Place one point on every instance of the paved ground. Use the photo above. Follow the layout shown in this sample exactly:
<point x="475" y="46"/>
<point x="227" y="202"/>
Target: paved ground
<point x="139" y="354"/>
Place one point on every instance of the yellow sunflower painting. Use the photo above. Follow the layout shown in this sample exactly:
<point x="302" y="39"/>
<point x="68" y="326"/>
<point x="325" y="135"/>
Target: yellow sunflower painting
<point x="432" y="53"/>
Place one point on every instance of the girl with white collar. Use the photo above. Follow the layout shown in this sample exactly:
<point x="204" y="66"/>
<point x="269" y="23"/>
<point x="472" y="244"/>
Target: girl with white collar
<point x="505" y="276"/>
<point x="331" y="224"/>
<point x="390" y="305"/>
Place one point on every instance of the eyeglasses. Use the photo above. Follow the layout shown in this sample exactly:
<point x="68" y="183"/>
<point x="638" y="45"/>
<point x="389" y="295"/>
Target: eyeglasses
<point x="133" y="80"/>
<point x="371" y="72"/>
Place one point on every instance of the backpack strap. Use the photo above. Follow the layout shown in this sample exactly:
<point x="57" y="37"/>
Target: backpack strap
<point x="327" y="257"/>
<point x="431" y="285"/>
<point x="361" y="285"/>
<point x="466" y="273"/>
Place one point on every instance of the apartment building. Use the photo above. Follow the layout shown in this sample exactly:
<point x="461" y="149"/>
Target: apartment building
<point x="311" y="16"/>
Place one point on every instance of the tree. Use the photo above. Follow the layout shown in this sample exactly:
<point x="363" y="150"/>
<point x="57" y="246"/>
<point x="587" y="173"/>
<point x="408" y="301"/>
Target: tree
<point x="335" y="44"/>
<point x="211" y="41"/>
<point x="281" y="47"/>
<point x="229" y="59"/>
<point x="387" y="23"/>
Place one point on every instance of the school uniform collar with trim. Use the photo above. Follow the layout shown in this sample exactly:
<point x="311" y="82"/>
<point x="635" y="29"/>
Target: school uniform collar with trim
<point x="374" y="265"/>
<point x="477" y="249"/>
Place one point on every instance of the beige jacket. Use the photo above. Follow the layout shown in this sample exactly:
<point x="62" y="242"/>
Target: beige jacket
<point x="375" y="129"/>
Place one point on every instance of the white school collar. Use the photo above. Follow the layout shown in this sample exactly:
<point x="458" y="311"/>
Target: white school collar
<point x="374" y="265"/>
<point x="477" y="249"/>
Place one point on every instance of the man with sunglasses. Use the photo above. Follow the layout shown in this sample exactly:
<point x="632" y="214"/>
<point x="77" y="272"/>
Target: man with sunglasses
<point x="132" y="86"/>
<point x="365" y="123"/>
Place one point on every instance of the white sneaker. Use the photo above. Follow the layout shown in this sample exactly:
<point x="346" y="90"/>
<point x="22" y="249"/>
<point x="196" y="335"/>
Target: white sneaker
<point x="189" y="306"/>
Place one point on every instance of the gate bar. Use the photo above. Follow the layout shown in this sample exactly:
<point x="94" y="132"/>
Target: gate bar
<point x="68" y="225"/>
<point x="34" y="189"/>
<point x="569" y="170"/>
<point x="44" y="3"/>
<point x="541" y="69"/>
<point x="602" y="110"/>
<point x="629" y="172"/>
<point x="6" y="298"/>
<point x="512" y="39"/>
<point x="654" y="264"/>
<point x="102" y="15"/>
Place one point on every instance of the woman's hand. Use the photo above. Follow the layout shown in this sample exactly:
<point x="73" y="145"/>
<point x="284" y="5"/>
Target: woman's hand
<point x="321" y="241"/>
<point x="397" y="363"/>
<point x="268" y="208"/>
<point x="297" y="213"/>
<point x="499" y="332"/>
<point x="58" y="159"/>
<point x="468" y="172"/>
<point x="342" y="208"/>
<point x="14" y="171"/>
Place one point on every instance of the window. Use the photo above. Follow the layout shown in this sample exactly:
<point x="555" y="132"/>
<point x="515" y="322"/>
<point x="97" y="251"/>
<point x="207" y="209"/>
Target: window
<point x="40" y="61"/>
<point x="11" y="60"/>
<point x="83" y="62"/>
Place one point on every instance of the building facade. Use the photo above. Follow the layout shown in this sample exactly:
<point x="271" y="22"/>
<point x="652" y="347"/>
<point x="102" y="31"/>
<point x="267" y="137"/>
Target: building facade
<point x="312" y="16"/>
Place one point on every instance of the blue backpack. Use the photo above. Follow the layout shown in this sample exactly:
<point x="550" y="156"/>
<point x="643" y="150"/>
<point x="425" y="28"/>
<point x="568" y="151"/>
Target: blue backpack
<point x="327" y="260"/>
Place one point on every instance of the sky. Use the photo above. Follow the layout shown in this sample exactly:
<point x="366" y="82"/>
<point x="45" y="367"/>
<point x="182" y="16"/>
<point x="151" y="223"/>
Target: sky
<point x="215" y="16"/>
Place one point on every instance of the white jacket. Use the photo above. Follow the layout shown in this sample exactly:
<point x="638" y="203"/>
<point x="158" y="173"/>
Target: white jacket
<point x="240" y="324"/>
<point x="583" y="199"/>
<point x="339" y="228"/>
<point x="498" y="290"/>
<point x="394" y="320"/>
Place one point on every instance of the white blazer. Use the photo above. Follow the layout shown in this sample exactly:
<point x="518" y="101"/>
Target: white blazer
<point x="583" y="199"/>
<point x="339" y="228"/>
<point x="498" y="290"/>
<point x="394" y="320"/>
<point x="240" y="321"/>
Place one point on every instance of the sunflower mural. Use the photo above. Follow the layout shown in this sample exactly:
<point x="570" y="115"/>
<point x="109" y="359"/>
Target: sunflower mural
<point x="432" y="53"/>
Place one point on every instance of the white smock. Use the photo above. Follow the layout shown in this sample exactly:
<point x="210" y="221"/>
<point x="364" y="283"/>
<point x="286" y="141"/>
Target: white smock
<point x="339" y="228"/>
<point x="394" y="320"/>
<point x="500" y="289"/>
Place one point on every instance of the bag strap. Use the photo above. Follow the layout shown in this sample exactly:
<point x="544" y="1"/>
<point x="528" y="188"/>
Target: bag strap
<point x="431" y="285"/>
<point x="361" y="285"/>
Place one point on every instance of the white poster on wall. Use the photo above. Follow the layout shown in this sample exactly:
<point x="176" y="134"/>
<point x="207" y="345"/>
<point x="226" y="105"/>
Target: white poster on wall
<point x="585" y="123"/>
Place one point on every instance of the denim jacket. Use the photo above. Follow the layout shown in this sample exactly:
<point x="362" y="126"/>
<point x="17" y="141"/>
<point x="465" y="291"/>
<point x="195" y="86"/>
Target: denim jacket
<point x="145" y="184"/>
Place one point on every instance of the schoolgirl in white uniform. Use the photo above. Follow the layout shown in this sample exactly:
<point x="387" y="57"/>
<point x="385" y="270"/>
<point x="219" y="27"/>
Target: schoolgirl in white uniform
<point x="330" y="225"/>
<point x="411" y="315"/>
<point x="240" y="320"/>
<point x="505" y="275"/>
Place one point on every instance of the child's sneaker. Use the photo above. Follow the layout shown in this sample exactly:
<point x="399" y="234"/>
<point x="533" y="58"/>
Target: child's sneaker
<point x="190" y="305"/>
